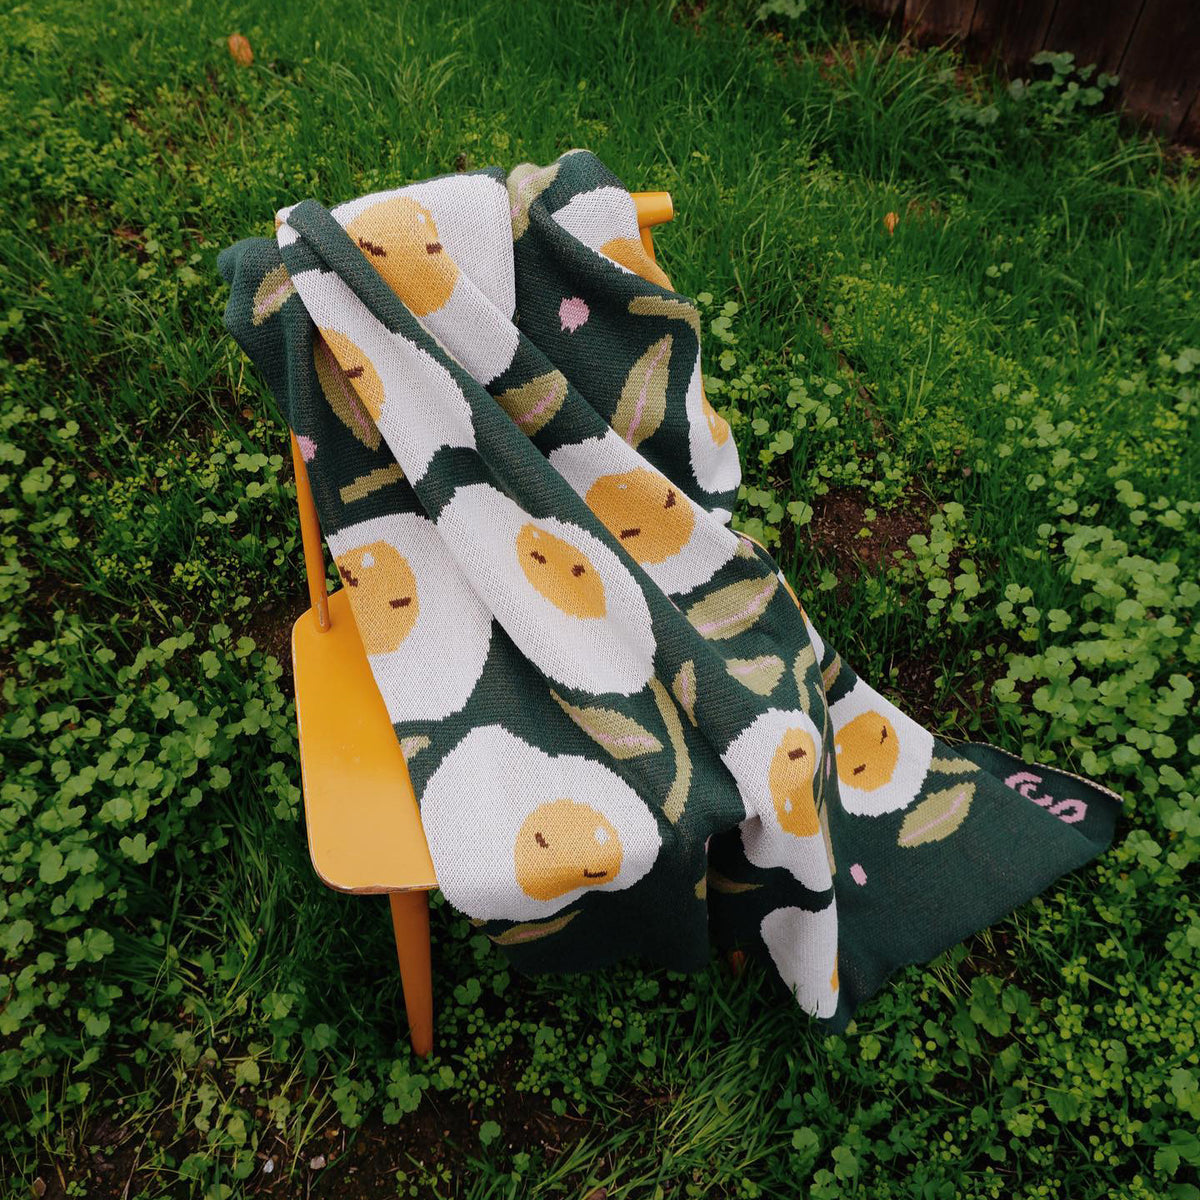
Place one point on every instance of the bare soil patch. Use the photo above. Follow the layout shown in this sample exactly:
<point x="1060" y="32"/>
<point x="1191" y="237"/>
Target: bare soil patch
<point x="840" y="516"/>
<point x="271" y="629"/>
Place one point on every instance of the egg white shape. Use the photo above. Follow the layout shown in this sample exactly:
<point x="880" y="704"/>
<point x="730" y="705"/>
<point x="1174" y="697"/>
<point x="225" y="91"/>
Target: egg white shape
<point x="883" y="756"/>
<point x="775" y="762"/>
<point x="598" y="217"/>
<point x="473" y="224"/>
<point x="444" y="248"/>
<point x="711" y="444"/>
<point x="421" y="408"/>
<point x="803" y="945"/>
<point x="474" y="333"/>
<point x="425" y="631"/>
<point x="567" y="601"/>
<point x="669" y="535"/>
<point x="517" y="834"/>
<point x="471" y="213"/>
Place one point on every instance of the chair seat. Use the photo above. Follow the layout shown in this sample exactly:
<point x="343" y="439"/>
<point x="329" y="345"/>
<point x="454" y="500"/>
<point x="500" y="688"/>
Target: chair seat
<point x="364" y="827"/>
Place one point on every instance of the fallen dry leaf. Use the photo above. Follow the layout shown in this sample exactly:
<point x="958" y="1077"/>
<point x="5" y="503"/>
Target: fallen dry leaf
<point x="240" y="49"/>
<point x="890" y="222"/>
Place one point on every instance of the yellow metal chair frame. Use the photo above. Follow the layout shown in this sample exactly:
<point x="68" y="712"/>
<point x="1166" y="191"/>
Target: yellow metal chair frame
<point x="364" y="826"/>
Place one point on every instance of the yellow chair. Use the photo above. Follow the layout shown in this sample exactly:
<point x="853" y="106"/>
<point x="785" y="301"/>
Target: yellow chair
<point x="364" y="827"/>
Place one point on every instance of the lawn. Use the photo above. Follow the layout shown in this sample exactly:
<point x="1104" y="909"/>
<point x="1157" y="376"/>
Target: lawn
<point x="970" y="435"/>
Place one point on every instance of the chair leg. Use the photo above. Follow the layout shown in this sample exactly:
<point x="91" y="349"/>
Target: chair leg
<point x="410" y="923"/>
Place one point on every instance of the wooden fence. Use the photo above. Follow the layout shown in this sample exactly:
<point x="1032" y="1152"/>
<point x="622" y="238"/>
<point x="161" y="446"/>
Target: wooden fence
<point x="1153" y="45"/>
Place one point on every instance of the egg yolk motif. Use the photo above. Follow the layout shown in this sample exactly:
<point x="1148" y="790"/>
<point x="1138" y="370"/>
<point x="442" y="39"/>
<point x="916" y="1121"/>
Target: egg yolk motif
<point x="644" y="512"/>
<point x="793" y="766"/>
<point x="383" y="595"/>
<point x="560" y="572"/>
<point x="631" y="254"/>
<point x="400" y="240"/>
<point x="867" y="751"/>
<point x="357" y="369"/>
<point x="564" y="845"/>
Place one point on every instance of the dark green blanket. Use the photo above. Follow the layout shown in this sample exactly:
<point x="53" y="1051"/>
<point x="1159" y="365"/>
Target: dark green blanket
<point x="624" y="733"/>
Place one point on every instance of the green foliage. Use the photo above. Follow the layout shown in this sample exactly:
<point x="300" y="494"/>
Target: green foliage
<point x="1068" y="91"/>
<point x="1006" y="376"/>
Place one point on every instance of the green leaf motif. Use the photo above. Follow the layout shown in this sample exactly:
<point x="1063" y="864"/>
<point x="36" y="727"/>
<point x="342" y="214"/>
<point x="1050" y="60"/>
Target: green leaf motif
<point x="666" y="306"/>
<point x="823" y="817"/>
<point x="271" y="295"/>
<point x="643" y="402"/>
<point x="372" y="481"/>
<point x="729" y="887"/>
<point x="937" y="816"/>
<point x="804" y="660"/>
<point x="677" y="797"/>
<point x="620" y="735"/>
<point x="732" y="609"/>
<point x="953" y="766"/>
<point x="761" y="675"/>
<point x="410" y="746"/>
<point x="684" y="689"/>
<point x="525" y="184"/>
<point x="533" y="930"/>
<point x="534" y="404"/>
<point x="831" y="672"/>
<point x="342" y="397"/>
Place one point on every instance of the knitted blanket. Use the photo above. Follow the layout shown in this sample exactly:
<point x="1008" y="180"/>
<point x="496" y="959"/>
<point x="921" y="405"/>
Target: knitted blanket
<point x="624" y="732"/>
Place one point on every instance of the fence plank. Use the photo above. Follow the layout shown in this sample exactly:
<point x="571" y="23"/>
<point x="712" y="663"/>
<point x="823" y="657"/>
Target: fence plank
<point x="936" y="20"/>
<point x="1014" y="28"/>
<point x="1160" y="72"/>
<point x="1095" y="31"/>
<point x="1189" y="130"/>
<point x="1154" y="45"/>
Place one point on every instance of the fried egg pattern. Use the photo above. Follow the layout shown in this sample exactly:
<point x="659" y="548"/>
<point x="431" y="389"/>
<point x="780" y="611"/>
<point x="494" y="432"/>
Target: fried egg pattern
<point x="443" y="246"/>
<point x="412" y="398"/>
<point x="425" y="631"/>
<point x="882" y="755"/>
<point x="713" y="451"/>
<point x="803" y="946"/>
<point x="539" y="792"/>
<point x="400" y="239"/>
<point x="517" y="834"/>
<point x="668" y="535"/>
<point x="567" y="601"/>
<point x="605" y="220"/>
<point x="437" y="246"/>
<point x="774" y="762"/>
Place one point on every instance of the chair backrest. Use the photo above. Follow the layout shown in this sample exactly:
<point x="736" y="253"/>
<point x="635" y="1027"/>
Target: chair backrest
<point x="653" y="208"/>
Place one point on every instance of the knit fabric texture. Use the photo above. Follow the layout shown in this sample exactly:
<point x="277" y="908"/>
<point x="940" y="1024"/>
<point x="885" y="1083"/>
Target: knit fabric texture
<point x="625" y="735"/>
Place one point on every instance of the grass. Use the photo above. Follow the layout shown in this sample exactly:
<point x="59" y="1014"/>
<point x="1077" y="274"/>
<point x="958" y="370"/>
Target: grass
<point x="972" y="442"/>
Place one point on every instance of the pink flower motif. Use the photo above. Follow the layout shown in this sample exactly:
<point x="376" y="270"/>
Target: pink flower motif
<point x="573" y="312"/>
<point x="308" y="448"/>
<point x="858" y="874"/>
